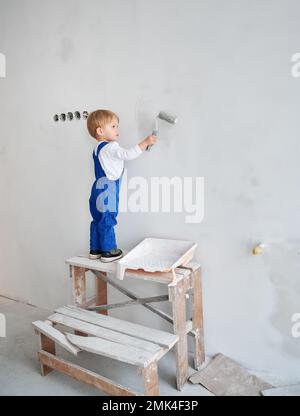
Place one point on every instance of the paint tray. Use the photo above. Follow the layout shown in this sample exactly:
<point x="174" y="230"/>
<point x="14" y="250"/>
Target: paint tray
<point x="157" y="255"/>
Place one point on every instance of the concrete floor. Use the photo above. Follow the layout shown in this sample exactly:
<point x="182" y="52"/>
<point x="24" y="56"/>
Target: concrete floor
<point x="20" y="370"/>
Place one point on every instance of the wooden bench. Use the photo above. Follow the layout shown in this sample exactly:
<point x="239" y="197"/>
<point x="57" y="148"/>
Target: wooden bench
<point x="106" y="336"/>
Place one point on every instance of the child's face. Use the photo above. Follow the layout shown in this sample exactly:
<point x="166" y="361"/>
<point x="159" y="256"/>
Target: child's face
<point x="110" y="131"/>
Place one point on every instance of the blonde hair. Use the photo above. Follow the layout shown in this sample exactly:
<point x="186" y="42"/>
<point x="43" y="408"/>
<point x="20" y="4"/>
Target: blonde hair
<point x="99" y="118"/>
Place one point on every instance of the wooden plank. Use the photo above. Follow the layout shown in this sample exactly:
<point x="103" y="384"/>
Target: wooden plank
<point x="139" y="301"/>
<point x="79" y="285"/>
<point x="104" y="333"/>
<point x="86" y="263"/>
<point x="81" y="374"/>
<point x="124" y="353"/>
<point x="96" y="265"/>
<point x="199" y="347"/>
<point x="55" y="336"/>
<point x="177" y="296"/>
<point x="161" y="338"/>
<point x="101" y="294"/>
<point x="79" y="289"/>
<point x="150" y="377"/>
<point x="225" y="377"/>
<point x="198" y="331"/>
<point x="46" y="344"/>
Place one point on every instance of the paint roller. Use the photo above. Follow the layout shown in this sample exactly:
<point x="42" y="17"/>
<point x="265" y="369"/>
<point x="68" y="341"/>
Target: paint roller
<point x="169" y="118"/>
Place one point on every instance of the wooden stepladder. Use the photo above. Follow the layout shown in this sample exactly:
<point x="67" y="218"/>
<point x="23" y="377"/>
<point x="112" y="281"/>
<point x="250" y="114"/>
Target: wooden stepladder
<point x="182" y="283"/>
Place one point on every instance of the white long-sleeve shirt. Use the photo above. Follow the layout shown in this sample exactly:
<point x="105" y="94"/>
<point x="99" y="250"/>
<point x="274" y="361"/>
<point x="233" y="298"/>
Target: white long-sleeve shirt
<point x="112" y="157"/>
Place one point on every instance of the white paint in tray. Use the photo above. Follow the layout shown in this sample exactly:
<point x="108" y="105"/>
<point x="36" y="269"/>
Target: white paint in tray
<point x="157" y="255"/>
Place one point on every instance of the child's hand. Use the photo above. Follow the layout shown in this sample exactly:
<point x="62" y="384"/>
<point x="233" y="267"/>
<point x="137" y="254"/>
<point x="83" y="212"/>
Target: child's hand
<point x="151" y="140"/>
<point x="148" y="141"/>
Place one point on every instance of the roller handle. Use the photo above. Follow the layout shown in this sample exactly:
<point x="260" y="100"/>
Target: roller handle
<point x="154" y="133"/>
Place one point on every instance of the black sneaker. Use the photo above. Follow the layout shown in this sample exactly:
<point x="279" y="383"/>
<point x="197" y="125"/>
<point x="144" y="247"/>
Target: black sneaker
<point x="95" y="254"/>
<point x="111" y="255"/>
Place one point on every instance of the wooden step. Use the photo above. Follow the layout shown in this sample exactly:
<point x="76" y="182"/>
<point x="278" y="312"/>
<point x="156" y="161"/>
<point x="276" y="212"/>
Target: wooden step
<point x="161" y="338"/>
<point x="125" y="353"/>
<point x="104" y="333"/>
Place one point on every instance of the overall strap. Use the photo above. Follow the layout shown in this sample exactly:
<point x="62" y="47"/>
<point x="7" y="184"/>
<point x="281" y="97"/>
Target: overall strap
<point x="99" y="172"/>
<point x="99" y="148"/>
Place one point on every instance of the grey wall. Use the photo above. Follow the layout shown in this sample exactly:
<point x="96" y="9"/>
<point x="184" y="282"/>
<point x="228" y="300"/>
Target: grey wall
<point x="225" y="68"/>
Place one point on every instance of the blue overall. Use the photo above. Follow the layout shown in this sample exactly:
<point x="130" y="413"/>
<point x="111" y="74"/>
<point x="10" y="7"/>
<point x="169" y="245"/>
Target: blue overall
<point x="104" y="207"/>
